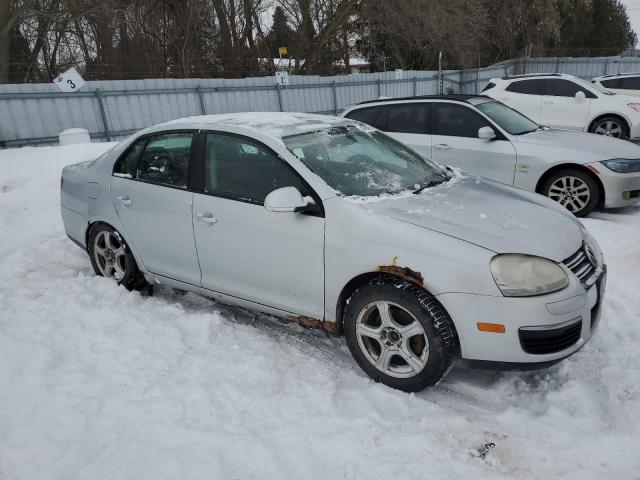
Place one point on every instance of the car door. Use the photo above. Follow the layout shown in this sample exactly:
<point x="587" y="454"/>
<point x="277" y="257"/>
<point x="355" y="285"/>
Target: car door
<point x="561" y="108"/>
<point x="150" y="195"/>
<point x="270" y="258"/>
<point x="524" y="96"/>
<point x="406" y="122"/>
<point x="455" y="142"/>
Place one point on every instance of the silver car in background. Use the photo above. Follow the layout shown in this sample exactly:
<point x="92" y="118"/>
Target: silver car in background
<point x="331" y="223"/>
<point x="484" y="137"/>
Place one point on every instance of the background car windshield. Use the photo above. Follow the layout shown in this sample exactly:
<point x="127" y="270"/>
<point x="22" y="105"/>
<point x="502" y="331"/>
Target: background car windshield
<point x="513" y="122"/>
<point x="355" y="162"/>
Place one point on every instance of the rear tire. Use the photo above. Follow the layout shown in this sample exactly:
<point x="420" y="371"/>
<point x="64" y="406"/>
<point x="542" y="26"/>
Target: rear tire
<point x="575" y="190"/>
<point x="111" y="257"/>
<point x="610" y="126"/>
<point x="399" y="334"/>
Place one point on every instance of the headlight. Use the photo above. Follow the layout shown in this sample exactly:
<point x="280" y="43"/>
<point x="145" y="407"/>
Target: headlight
<point x="634" y="106"/>
<point x="622" y="165"/>
<point x="525" y="275"/>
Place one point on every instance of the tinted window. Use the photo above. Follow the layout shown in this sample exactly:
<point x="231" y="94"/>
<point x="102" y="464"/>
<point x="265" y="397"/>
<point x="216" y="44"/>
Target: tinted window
<point x="489" y="86"/>
<point x="629" y="83"/>
<point x="128" y="162"/>
<point x="509" y="119"/>
<point x="529" y="87"/>
<point x="239" y="169"/>
<point x="456" y="120"/>
<point x="611" y="83"/>
<point x="407" y="118"/>
<point x="558" y="87"/>
<point x="165" y="160"/>
<point x="366" y="115"/>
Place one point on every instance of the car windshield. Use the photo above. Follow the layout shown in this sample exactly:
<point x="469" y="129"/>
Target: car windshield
<point x="513" y="122"/>
<point x="360" y="162"/>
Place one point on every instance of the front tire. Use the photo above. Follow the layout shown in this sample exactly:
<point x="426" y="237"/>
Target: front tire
<point x="575" y="190"/>
<point x="609" y="127"/>
<point x="111" y="257"/>
<point x="399" y="334"/>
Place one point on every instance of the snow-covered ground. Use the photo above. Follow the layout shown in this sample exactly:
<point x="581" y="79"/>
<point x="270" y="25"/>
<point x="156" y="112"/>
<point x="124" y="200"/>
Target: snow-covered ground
<point x="100" y="383"/>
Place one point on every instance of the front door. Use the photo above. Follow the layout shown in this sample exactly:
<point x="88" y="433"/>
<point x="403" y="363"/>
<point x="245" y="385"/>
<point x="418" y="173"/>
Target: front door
<point x="270" y="258"/>
<point x="456" y="143"/>
<point x="149" y="192"/>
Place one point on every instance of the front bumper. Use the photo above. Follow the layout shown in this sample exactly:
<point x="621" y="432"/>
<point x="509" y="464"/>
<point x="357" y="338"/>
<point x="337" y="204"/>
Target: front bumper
<point x="616" y="184"/>
<point x="574" y="304"/>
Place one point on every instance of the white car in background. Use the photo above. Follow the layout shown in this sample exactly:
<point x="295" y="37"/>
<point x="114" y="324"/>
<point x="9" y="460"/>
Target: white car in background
<point x="624" y="83"/>
<point x="565" y="101"/>
<point x="486" y="138"/>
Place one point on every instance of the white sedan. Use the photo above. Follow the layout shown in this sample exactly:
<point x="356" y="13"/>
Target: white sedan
<point x="484" y="137"/>
<point x="330" y="223"/>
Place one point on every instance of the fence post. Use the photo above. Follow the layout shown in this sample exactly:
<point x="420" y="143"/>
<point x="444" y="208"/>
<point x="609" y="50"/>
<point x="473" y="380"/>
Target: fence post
<point x="379" y="88"/>
<point x="335" y="98"/>
<point x="606" y="65"/>
<point x="477" y="78"/>
<point x="105" y="125"/>
<point x="415" y="86"/>
<point x="279" y="96"/>
<point x="201" y="100"/>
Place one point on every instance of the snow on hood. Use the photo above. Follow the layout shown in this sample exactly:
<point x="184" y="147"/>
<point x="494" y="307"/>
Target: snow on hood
<point x="500" y="218"/>
<point x="595" y="145"/>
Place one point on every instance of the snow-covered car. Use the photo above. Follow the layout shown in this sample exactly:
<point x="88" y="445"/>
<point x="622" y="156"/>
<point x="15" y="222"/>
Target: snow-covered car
<point x="623" y="83"/>
<point x="486" y="138"/>
<point x="331" y="223"/>
<point x="565" y="101"/>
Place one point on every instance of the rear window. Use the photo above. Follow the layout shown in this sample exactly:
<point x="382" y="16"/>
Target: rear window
<point x="489" y="86"/>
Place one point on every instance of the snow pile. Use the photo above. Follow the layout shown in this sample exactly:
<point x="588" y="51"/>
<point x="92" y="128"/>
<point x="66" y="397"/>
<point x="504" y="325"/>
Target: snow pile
<point x="100" y="383"/>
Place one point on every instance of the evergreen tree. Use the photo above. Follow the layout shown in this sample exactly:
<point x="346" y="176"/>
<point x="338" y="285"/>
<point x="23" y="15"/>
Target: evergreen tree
<point x="281" y="34"/>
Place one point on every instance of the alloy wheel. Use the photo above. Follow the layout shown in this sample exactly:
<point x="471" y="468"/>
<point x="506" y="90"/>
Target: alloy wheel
<point x="570" y="192"/>
<point x="392" y="339"/>
<point x="609" y="128"/>
<point x="109" y="253"/>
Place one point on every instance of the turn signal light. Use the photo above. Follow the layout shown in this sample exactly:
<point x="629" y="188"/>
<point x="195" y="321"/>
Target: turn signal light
<point x="491" y="327"/>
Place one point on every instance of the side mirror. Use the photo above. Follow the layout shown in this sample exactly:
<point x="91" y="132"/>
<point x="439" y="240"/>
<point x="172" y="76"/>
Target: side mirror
<point x="486" y="133"/>
<point x="580" y="96"/>
<point x="285" y="199"/>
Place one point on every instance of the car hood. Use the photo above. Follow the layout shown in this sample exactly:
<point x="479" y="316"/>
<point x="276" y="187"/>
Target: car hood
<point x="594" y="145"/>
<point x="494" y="216"/>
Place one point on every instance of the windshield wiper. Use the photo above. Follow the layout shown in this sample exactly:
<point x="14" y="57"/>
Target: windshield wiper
<point x="431" y="183"/>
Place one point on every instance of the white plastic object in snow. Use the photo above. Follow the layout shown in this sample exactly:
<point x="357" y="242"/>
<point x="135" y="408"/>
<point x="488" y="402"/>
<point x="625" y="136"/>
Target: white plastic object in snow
<point x="72" y="136"/>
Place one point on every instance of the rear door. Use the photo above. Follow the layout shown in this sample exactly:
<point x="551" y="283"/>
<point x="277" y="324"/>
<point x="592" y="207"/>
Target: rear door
<point x="560" y="108"/>
<point x="150" y="195"/>
<point x="270" y="258"/>
<point x="524" y="96"/>
<point x="455" y="142"/>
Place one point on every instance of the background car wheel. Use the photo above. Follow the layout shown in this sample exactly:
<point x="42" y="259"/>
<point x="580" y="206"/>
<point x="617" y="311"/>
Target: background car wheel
<point x="399" y="334"/>
<point x="111" y="257"/>
<point x="574" y="190"/>
<point x="610" y="127"/>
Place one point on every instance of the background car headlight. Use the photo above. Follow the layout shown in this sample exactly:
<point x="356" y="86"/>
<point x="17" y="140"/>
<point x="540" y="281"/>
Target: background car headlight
<point x="622" y="165"/>
<point x="525" y="275"/>
<point x="634" y="106"/>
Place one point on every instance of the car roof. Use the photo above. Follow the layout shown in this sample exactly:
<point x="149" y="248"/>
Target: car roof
<point x="533" y="75"/>
<point x="457" y="97"/>
<point x="613" y="75"/>
<point x="271" y="124"/>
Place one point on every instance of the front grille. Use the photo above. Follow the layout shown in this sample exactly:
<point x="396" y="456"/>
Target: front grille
<point x="541" y="340"/>
<point x="582" y="263"/>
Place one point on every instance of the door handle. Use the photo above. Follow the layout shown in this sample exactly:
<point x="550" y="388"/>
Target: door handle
<point x="206" y="218"/>
<point x="442" y="146"/>
<point x="125" y="201"/>
<point x="549" y="102"/>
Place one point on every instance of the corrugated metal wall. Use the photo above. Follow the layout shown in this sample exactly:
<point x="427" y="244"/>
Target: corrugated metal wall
<point x="36" y="113"/>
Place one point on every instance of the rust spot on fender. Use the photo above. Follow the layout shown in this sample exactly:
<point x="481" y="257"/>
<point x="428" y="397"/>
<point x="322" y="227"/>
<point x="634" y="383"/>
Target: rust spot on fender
<point x="329" y="327"/>
<point x="403" y="272"/>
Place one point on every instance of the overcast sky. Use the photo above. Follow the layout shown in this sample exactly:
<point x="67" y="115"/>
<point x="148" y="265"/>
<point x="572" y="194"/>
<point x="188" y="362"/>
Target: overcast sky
<point x="633" y="10"/>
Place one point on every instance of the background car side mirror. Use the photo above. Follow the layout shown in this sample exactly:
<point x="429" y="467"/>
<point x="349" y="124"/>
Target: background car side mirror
<point x="580" y="96"/>
<point x="486" y="133"/>
<point x="285" y="199"/>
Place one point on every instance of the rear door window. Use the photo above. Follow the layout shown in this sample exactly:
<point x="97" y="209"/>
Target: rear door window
<point x="409" y="118"/>
<point x="532" y="86"/>
<point x="559" y="87"/>
<point x="165" y="160"/>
